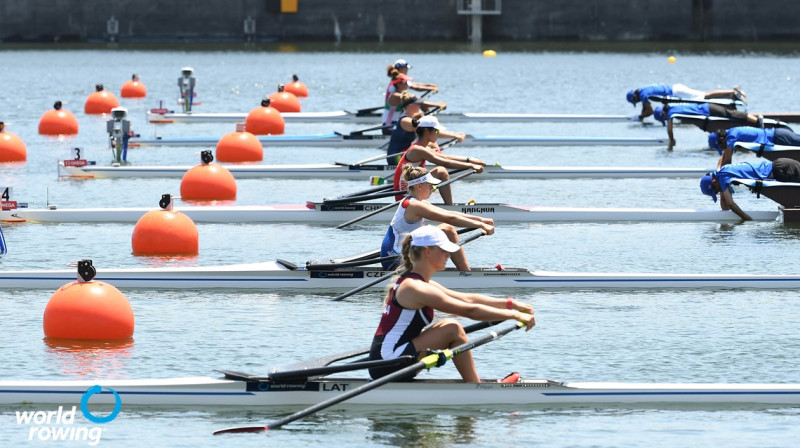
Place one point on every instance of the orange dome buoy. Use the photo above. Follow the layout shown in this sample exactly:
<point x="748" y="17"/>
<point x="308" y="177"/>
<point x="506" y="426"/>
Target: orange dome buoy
<point x="297" y="88"/>
<point x="88" y="309"/>
<point x="133" y="88"/>
<point x="165" y="232"/>
<point x="265" y="120"/>
<point x="208" y="182"/>
<point x="284" y="101"/>
<point x="239" y="147"/>
<point x="12" y="148"/>
<point x="100" y="102"/>
<point x="58" y="122"/>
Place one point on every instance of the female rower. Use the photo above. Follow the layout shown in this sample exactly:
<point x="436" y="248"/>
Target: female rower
<point x="402" y="66"/>
<point x="415" y="209"/>
<point x="404" y="131"/>
<point x="409" y="305"/>
<point x="425" y="149"/>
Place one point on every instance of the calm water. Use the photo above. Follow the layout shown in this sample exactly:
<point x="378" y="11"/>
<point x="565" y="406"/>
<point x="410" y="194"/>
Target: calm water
<point x="653" y="336"/>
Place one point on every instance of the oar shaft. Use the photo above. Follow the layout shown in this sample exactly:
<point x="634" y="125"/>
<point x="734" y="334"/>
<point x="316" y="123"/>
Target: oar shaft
<point x="434" y="360"/>
<point x="363" y="217"/>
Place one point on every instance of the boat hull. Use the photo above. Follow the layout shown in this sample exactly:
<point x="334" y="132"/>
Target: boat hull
<point x="209" y="392"/>
<point x="375" y="141"/>
<point x="273" y="276"/>
<point x="352" y="172"/>
<point x="341" y="116"/>
<point x="337" y="214"/>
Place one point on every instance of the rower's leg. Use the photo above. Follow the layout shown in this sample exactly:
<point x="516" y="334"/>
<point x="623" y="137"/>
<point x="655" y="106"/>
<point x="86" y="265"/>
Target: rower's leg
<point x="448" y="333"/>
<point x="446" y="193"/>
<point x="729" y="94"/>
<point x="459" y="258"/>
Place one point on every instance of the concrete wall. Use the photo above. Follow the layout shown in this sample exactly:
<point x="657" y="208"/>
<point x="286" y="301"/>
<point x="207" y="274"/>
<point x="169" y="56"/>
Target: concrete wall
<point x="399" y="21"/>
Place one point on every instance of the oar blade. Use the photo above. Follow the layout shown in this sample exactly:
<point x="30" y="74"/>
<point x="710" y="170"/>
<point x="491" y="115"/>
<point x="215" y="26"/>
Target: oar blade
<point x="241" y="429"/>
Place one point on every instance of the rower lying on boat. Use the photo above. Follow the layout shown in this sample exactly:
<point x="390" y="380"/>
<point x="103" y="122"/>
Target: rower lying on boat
<point x="708" y="117"/>
<point x="728" y="139"/>
<point x="771" y="152"/>
<point x="335" y="139"/>
<point x="328" y="277"/>
<point x="720" y="180"/>
<point x="363" y="172"/>
<point x="322" y="213"/>
<point x="677" y="92"/>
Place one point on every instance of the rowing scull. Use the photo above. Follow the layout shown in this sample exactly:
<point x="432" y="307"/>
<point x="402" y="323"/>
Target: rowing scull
<point x="274" y="275"/>
<point x="207" y="393"/>
<point x="361" y="172"/>
<point x="335" y="139"/>
<point x="342" y="116"/>
<point x="321" y="213"/>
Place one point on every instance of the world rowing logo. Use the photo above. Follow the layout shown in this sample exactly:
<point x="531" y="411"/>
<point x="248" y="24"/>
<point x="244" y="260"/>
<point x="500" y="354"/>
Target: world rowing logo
<point x="60" y="425"/>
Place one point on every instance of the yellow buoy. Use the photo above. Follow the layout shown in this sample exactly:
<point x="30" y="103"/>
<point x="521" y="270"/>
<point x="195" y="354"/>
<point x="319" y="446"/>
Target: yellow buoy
<point x="671" y="59"/>
<point x="489" y="53"/>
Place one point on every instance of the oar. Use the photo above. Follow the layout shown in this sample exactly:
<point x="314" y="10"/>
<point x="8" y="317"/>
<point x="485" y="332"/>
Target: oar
<point x="366" y="197"/>
<point x="437" y="359"/>
<point x="478" y="233"/>
<point x="375" y="212"/>
<point x="371" y="159"/>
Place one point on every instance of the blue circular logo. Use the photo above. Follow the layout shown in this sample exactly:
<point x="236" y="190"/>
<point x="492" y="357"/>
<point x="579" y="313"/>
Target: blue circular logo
<point x="85" y="405"/>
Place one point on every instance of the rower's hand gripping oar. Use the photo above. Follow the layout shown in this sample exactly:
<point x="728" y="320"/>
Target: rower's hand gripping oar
<point x="436" y="359"/>
<point x="475" y="235"/>
<point x="463" y="174"/>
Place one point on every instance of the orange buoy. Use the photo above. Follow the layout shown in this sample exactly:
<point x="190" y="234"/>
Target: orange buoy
<point x="239" y="147"/>
<point x="165" y="232"/>
<point x="100" y="102"/>
<point x="297" y="88"/>
<point x="88" y="309"/>
<point x="208" y="182"/>
<point x="284" y="101"/>
<point x="12" y="148"/>
<point x="265" y="120"/>
<point x="57" y="121"/>
<point x="133" y="88"/>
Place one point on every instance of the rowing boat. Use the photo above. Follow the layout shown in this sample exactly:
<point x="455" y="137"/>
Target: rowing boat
<point x="322" y="213"/>
<point x="335" y="139"/>
<point x="771" y="152"/>
<point x="280" y="274"/>
<point x="361" y="172"/>
<point x="206" y="392"/>
<point x="342" y="116"/>
<point x="709" y="123"/>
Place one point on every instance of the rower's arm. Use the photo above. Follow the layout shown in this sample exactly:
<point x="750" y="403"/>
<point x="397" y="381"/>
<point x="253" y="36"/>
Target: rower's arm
<point x="647" y="110"/>
<point x="407" y="123"/>
<point x="472" y="306"/>
<point x="726" y="157"/>
<point x="727" y="203"/>
<point x="423" y="86"/>
<point x="670" y="134"/>
<point x="395" y="99"/>
<point x="451" y="134"/>
<point x="451" y="161"/>
<point x="422" y="209"/>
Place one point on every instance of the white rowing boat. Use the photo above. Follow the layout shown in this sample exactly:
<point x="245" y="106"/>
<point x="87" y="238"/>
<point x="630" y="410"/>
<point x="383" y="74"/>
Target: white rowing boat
<point x="280" y="274"/>
<point x="361" y="172"/>
<point x="343" y="116"/>
<point x="322" y="213"/>
<point x="335" y="139"/>
<point x="206" y="392"/>
<point x="770" y="152"/>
